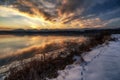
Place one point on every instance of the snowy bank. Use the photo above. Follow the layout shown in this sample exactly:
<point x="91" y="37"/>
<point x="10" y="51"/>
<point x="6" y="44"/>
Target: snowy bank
<point x="48" y="67"/>
<point x="102" y="63"/>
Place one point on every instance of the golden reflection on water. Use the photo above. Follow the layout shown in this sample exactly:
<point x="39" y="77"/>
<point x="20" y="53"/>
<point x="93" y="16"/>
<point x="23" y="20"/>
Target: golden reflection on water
<point x="16" y="45"/>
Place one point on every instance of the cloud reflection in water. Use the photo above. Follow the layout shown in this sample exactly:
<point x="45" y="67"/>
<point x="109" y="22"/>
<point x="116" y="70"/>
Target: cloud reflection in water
<point x="14" y="48"/>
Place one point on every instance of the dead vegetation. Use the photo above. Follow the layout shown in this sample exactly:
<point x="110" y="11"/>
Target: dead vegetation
<point x="38" y="69"/>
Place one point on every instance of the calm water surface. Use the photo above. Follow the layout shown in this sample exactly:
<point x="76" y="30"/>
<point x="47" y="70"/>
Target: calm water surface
<point x="14" y="48"/>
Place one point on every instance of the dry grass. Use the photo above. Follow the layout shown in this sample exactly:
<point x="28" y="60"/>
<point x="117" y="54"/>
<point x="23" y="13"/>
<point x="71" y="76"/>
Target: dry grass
<point x="39" y="69"/>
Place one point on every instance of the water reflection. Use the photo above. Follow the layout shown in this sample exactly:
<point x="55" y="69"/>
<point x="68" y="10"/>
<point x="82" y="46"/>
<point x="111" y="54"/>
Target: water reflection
<point x="19" y="47"/>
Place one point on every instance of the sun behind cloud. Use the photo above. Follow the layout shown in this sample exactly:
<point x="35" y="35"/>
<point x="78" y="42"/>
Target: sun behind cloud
<point x="58" y="14"/>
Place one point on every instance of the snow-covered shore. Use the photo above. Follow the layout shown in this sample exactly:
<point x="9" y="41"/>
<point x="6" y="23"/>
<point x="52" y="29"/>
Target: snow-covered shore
<point x="102" y="63"/>
<point x="49" y="66"/>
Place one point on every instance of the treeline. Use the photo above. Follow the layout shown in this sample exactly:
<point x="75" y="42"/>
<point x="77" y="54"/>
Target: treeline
<point x="61" y="32"/>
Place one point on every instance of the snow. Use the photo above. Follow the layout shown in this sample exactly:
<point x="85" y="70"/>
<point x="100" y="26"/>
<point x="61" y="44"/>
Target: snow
<point x="102" y="63"/>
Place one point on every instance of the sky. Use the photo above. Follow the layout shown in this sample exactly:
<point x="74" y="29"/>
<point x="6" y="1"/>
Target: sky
<point x="59" y="14"/>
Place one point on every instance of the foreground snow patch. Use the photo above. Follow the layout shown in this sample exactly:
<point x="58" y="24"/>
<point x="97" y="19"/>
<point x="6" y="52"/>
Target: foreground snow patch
<point x="102" y="63"/>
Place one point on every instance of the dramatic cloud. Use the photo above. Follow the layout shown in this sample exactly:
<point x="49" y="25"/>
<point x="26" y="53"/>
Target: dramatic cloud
<point x="66" y="13"/>
<point x="69" y="6"/>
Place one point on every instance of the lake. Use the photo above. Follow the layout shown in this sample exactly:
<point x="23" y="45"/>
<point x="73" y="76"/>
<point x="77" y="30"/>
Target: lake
<point x="13" y="48"/>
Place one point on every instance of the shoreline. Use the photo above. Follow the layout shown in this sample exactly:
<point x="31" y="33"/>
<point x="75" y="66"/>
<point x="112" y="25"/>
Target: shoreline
<point x="60" y="32"/>
<point x="47" y="68"/>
